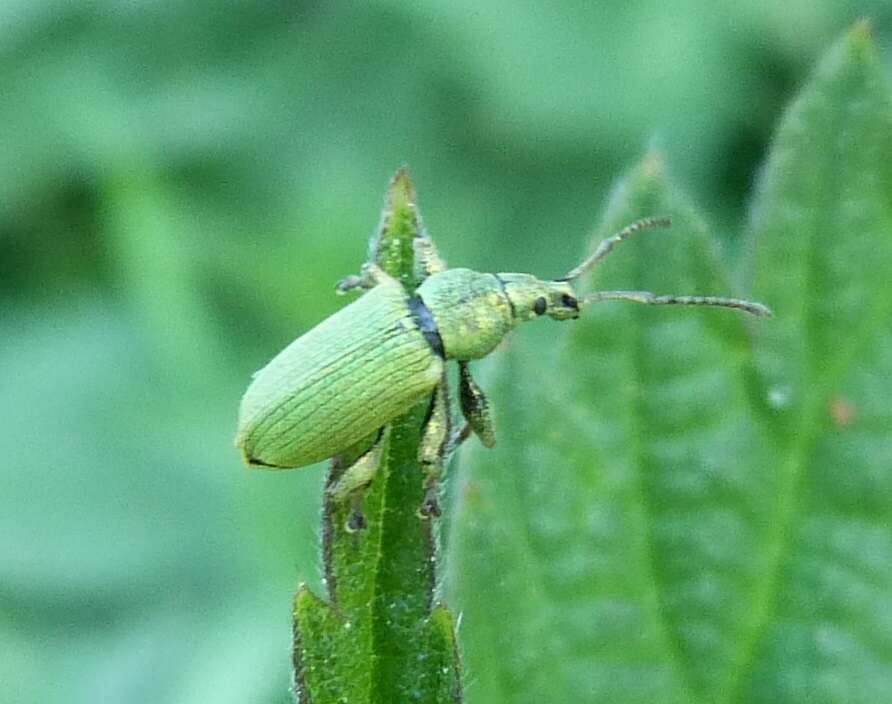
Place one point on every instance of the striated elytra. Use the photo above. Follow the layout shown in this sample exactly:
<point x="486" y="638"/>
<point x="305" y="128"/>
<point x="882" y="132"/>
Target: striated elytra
<point x="371" y="361"/>
<point x="337" y="384"/>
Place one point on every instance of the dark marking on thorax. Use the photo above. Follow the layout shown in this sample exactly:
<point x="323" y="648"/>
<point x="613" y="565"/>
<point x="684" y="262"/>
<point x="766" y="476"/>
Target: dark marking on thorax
<point x="421" y="314"/>
<point x="507" y="297"/>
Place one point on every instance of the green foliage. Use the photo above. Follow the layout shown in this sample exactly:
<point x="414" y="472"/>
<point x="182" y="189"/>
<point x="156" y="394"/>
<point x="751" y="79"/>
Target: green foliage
<point x="380" y="638"/>
<point x="182" y="183"/>
<point x="686" y="506"/>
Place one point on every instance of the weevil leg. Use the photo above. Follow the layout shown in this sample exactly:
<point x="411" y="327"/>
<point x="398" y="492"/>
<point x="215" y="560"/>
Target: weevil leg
<point x="456" y="439"/>
<point x="475" y="407"/>
<point x="370" y="275"/>
<point x="431" y="453"/>
<point x="427" y="259"/>
<point x="352" y="485"/>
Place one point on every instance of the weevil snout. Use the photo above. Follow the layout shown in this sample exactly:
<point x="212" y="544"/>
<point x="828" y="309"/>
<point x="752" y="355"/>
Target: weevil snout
<point x="531" y="297"/>
<point x="563" y="305"/>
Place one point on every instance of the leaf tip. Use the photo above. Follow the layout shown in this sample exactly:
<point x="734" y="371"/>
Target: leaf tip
<point x="401" y="191"/>
<point x="649" y="173"/>
<point x="862" y="30"/>
<point x="653" y="165"/>
<point x="305" y="600"/>
<point x="400" y="224"/>
<point x="859" y="39"/>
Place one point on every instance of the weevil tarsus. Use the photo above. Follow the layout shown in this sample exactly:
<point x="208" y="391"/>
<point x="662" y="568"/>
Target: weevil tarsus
<point x="349" y="283"/>
<point x="475" y="407"/>
<point x="356" y="520"/>
<point x="432" y="450"/>
<point x="352" y="485"/>
<point x="370" y="275"/>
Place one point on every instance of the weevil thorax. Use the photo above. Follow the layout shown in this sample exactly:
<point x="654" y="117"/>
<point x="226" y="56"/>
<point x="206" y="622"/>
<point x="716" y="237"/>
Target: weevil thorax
<point x="473" y="311"/>
<point x="470" y="309"/>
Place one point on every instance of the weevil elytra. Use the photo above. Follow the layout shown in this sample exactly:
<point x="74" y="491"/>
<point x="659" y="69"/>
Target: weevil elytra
<point x="343" y="381"/>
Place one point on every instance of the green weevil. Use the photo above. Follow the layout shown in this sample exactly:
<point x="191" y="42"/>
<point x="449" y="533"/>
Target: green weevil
<point x="342" y="382"/>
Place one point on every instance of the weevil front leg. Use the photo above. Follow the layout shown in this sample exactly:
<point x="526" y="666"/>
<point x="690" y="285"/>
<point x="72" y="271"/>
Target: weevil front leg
<point x="370" y="275"/>
<point x="432" y="451"/>
<point x="475" y="407"/>
<point x="354" y="482"/>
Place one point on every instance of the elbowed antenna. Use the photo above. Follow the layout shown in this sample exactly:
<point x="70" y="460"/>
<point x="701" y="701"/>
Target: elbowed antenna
<point x="646" y="297"/>
<point x="649" y="298"/>
<point x="606" y="246"/>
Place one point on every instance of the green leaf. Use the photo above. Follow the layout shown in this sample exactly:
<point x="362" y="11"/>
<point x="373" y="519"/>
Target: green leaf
<point x="622" y="483"/>
<point x="823" y="230"/>
<point x="690" y="506"/>
<point x="381" y="637"/>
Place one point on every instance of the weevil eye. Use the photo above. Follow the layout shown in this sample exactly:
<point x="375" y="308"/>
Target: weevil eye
<point x="540" y="305"/>
<point x="569" y="301"/>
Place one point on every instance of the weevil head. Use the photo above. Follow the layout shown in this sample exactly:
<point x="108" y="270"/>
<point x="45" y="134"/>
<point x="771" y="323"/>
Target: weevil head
<point x="531" y="297"/>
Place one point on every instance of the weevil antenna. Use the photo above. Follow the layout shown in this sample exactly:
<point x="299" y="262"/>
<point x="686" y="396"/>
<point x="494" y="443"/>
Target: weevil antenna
<point x="648" y="298"/>
<point x="606" y="246"/>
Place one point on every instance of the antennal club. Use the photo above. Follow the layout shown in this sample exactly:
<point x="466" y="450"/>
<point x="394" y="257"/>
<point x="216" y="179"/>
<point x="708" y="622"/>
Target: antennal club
<point x="606" y="246"/>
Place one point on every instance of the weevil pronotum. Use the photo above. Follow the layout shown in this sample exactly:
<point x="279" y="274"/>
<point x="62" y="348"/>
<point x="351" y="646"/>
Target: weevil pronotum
<point x="343" y="381"/>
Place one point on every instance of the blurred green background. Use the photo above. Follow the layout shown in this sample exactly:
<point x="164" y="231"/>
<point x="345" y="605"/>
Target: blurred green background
<point x="181" y="184"/>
